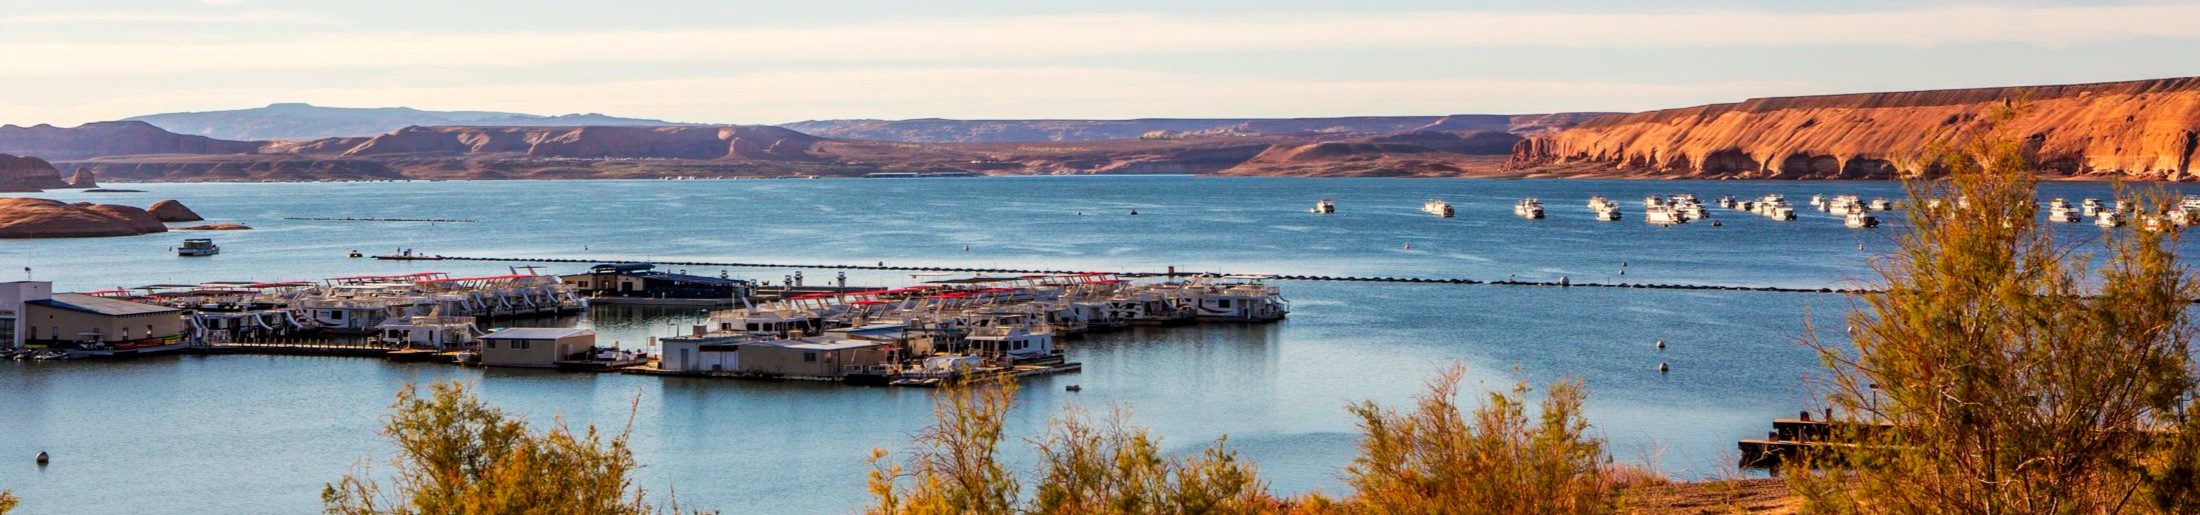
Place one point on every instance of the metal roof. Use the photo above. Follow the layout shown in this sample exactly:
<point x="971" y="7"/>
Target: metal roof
<point x="538" y="333"/>
<point x="826" y="345"/>
<point x="100" y="305"/>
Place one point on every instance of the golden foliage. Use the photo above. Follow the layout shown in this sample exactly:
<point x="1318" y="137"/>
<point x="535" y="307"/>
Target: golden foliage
<point x="956" y="468"/>
<point x="1433" y="459"/>
<point x="7" y="502"/>
<point x="458" y="455"/>
<point x="1436" y="459"/>
<point x="1996" y="373"/>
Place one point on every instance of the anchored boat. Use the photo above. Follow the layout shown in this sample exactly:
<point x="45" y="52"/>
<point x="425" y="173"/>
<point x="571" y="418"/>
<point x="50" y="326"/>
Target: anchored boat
<point x="198" y="247"/>
<point x="1528" y="208"/>
<point x="1437" y="207"/>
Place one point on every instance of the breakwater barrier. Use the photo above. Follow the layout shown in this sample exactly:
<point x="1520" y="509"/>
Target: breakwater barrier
<point x="351" y="219"/>
<point x="1561" y="283"/>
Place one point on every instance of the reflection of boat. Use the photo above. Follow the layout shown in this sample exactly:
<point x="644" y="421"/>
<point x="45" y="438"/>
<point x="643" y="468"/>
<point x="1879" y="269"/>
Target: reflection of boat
<point x="1325" y="206"/>
<point x="1529" y="208"/>
<point x="198" y="247"/>
<point x="1437" y="207"/>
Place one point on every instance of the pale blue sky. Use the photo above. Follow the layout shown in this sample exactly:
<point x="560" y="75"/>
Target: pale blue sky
<point x="770" y="62"/>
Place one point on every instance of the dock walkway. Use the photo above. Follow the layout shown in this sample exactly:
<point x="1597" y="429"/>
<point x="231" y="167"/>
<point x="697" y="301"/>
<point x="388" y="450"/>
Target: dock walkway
<point x="1562" y="283"/>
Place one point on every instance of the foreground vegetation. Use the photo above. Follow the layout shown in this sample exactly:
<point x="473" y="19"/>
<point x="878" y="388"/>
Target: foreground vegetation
<point x="459" y="455"/>
<point x="2001" y="373"/>
<point x="1431" y="458"/>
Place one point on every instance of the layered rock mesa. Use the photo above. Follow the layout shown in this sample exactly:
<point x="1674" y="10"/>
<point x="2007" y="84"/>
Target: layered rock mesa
<point x="45" y="218"/>
<point x="111" y="139"/>
<point x="28" y="174"/>
<point x="724" y="142"/>
<point x="2137" y="129"/>
<point x="1412" y="154"/>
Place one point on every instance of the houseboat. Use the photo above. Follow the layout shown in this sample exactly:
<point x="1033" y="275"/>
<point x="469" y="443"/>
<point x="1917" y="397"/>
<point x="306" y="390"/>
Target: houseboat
<point x="2090" y="207"/>
<point x="2063" y="212"/>
<point x="1528" y="208"/>
<point x="2108" y="218"/>
<point x="1324" y="207"/>
<point x="1859" y="219"/>
<point x="1661" y="215"/>
<point x="198" y="247"/>
<point x="1437" y="207"/>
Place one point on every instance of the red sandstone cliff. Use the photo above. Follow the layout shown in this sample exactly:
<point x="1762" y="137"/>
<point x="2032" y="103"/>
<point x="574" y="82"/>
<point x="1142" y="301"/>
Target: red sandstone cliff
<point x="2138" y="129"/>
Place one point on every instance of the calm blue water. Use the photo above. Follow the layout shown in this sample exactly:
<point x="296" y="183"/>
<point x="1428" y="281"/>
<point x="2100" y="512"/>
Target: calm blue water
<point x="255" y="434"/>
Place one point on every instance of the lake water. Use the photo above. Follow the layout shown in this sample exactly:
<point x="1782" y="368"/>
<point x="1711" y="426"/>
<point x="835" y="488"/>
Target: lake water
<point x="257" y="434"/>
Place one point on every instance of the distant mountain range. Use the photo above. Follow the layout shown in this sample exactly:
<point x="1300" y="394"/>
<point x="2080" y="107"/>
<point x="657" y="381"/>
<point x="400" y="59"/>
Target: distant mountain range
<point x="937" y="130"/>
<point x="2148" y="129"/>
<point x="306" y="121"/>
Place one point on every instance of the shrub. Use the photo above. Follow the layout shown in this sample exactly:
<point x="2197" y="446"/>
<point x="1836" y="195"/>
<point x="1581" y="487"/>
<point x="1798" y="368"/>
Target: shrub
<point x="458" y="455"/>
<point x="2005" y="376"/>
<point x="1437" y="459"/>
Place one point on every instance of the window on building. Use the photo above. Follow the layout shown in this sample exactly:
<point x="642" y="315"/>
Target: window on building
<point x="809" y="357"/>
<point x="335" y="315"/>
<point x="1224" y="303"/>
<point x="490" y="343"/>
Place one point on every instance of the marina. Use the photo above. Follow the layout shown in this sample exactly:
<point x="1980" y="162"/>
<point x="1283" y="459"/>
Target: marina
<point x="1480" y="288"/>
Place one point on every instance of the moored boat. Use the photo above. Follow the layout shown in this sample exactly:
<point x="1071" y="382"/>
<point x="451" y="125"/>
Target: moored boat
<point x="1528" y="208"/>
<point x="1437" y="207"/>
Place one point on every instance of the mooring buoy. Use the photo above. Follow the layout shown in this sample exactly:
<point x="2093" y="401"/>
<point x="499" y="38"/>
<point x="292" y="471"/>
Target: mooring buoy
<point x="1661" y="344"/>
<point x="43" y="458"/>
<point x="1663" y="369"/>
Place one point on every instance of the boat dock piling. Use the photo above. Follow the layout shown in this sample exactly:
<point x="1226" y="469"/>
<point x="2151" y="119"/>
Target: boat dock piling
<point x="1561" y="283"/>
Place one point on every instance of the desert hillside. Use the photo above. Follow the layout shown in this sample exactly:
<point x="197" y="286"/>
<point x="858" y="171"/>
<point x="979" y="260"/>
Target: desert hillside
<point x="2137" y="129"/>
<point x="305" y="121"/>
<point x="934" y="130"/>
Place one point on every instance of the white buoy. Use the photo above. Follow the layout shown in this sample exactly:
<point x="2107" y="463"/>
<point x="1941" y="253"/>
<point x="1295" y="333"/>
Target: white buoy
<point x="1661" y="344"/>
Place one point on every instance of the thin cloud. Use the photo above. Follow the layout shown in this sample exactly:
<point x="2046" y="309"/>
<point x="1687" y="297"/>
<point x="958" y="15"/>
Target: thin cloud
<point x="95" y="17"/>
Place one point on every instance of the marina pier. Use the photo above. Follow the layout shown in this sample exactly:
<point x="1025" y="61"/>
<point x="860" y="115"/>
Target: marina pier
<point x="1561" y="283"/>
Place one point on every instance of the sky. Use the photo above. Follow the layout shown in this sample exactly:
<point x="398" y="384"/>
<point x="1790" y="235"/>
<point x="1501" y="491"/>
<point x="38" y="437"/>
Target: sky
<point x="70" y="62"/>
